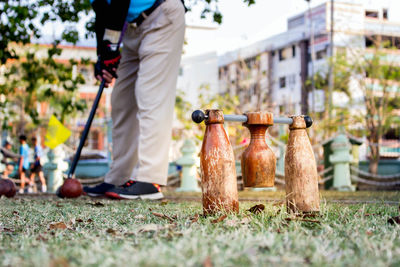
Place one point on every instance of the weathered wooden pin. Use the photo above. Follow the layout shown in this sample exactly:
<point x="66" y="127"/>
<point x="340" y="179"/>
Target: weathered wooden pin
<point x="258" y="160"/>
<point x="217" y="165"/>
<point x="302" y="195"/>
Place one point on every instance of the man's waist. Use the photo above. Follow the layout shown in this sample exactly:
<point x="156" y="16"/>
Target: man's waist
<point x="142" y="16"/>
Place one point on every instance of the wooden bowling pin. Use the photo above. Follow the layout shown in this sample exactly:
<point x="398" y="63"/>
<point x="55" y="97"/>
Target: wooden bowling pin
<point x="258" y="160"/>
<point x="302" y="195"/>
<point x="217" y="165"/>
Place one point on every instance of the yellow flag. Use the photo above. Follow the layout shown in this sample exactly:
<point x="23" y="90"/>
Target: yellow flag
<point x="56" y="133"/>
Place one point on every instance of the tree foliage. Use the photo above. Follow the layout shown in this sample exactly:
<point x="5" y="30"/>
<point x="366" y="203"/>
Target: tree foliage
<point x="34" y="80"/>
<point x="29" y="79"/>
<point x="22" y="21"/>
<point x="376" y="86"/>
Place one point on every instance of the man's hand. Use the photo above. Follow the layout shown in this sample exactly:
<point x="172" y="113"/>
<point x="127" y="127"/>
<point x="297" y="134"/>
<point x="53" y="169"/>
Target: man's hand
<point x="107" y="62"/>
<point x="106" y="76"/>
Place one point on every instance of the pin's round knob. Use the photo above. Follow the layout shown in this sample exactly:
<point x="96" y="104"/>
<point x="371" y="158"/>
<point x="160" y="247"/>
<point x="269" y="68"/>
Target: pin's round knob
<point x="308" y="121"/>
<point x="198" y="116"/>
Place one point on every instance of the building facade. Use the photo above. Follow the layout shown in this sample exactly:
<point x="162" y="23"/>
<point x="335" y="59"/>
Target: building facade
<point x="274" y="73"/>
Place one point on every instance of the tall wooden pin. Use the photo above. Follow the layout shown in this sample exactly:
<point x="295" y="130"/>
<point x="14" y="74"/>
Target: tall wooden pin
<point x="258" y="160"/>
<point x="302" y="195"/>
<point x="217" y="164"/>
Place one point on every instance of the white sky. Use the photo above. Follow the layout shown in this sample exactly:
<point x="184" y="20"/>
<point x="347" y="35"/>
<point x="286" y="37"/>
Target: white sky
<point x="244" y="25"/>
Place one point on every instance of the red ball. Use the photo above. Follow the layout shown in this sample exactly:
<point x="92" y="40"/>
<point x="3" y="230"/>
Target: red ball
<point x="71" y="188"/>
<point x="3" y="187"/>
<point x="7" y="188"/>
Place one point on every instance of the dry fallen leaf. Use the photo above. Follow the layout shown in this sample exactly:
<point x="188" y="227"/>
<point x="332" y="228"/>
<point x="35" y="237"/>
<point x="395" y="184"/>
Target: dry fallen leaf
<point x="57" y="225"/>
<point x="59" y="262"/>
<point x="89" y="220"/>
<point x="5" y="229"/>
<point x="220" y="219"/>
<point x="307" y="215"/>
<point x="195" y="218"/>
<point x="257" y="208"/>
<point x="371" y="214"/>
<point x="164" y="202"/>
<point x="41" y="238"/>
<point x="148" y="228"/>
<point x="111" y="231"/>
<point x="96" y="204"/>
<point x="394" y="220"/>
<point x="163" y="216"/>
<point x="207" y="262"/>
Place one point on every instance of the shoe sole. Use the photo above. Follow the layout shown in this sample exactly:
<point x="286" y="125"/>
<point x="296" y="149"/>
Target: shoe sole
<point x="154" y="196"/>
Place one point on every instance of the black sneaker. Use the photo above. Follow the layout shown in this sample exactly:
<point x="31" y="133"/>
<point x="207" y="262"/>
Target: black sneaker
<point x="98" y="190"/>
<point x="136" y="190"/>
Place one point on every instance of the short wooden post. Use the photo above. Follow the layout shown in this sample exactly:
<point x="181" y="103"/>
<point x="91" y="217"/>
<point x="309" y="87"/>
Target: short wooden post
<point x="188" y="162"/>
<point x="54" y="168"/>
<point x="341" y="159"/>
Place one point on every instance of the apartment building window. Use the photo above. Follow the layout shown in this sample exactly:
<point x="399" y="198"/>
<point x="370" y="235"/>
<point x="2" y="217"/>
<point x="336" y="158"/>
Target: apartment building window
<point x="385" y="40"/>
<point x="281" y="55"/>
<point x="87" y="75"/>
<point x="369" y="42"/>
<point x="321" y="54"/>
<point x="385" y="14"/>
<point x="282" y="82"/>
<point x="371" y="14"/>
<point x="293" y="51"/>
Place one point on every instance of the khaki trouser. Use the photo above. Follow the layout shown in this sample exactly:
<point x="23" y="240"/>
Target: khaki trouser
<point x="143" y="98"/>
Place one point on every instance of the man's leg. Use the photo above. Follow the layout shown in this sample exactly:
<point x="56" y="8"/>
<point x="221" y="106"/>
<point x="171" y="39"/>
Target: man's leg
<point x="161" y="41"/>
<point x="32" y="177"/>
<point x="160" y="52"/>
<point x="42" y="181"/>
<point x="124" y="110"/>
<point x="22" y="178"/>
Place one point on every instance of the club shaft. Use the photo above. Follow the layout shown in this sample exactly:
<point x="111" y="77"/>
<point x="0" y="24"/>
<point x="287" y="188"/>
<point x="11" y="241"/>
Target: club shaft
<point x="85" y="132"/>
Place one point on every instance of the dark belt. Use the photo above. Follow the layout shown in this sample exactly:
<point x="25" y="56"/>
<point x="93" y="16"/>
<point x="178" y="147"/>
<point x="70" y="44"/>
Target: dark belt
<point x="139" y="20"/>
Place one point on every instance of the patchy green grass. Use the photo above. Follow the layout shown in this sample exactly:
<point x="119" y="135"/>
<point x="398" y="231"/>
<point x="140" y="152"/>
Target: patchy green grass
<point x="52" y="232"/>
<point x="329" y="196"/>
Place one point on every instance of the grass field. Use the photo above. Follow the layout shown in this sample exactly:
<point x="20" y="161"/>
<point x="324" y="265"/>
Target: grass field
<point x="45" y="231"/>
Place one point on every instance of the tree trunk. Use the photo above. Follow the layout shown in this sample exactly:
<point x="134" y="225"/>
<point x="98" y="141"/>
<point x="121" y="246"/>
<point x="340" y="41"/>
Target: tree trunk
<point x="374" y="148"/>
<point x="374" y="160"/>
<point x="21" y="123"/>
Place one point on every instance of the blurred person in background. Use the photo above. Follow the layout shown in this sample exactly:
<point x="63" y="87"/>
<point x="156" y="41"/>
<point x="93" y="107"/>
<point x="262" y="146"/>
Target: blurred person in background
<point x="9" y="159"/>
<point x="23" y="164"/>
<point x="36" y="167"/>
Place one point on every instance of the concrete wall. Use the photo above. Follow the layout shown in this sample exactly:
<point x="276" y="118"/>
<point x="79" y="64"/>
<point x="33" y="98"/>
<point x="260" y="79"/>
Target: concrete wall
<point x="196" y="72"/>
